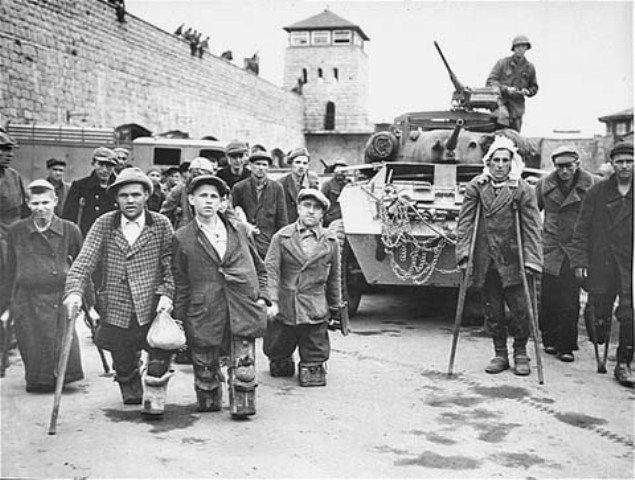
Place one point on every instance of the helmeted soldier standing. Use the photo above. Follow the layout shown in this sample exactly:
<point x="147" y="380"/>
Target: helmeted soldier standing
<point x="602" y="252"/>
<point x="134" y="248"/>
<point x="88" y="198"/>
<point x="560" y="195"/>
<point x="304" y="275"/>
<point x="221" y="298"/>
<point x="500" y="190"/>
<point x="516" y="77"/>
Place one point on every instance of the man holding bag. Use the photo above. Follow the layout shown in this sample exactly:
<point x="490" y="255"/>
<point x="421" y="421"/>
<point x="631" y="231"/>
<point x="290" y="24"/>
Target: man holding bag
<point x="221" y="298"/>
<point x="133" y="248"/>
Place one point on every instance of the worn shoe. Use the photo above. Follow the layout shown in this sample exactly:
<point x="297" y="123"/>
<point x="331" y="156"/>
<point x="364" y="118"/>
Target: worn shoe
<point x="550" y="350"/>
<point x="209" y="400"/>
<point x="521" y="365"/>
<point x="566" y="357"/>
<point x="497" y="365"/>
<point x="131" y="388"/>
<point x="311" y="375"/>
<point x="282" y="368"/>
<point x="624" y="374"/>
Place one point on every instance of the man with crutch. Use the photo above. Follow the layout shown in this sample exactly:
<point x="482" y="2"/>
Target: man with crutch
<point x="495" y="195"/>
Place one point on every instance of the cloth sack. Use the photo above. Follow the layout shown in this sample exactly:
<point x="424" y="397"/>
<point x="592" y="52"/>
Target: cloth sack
<point x="165" y="333"/>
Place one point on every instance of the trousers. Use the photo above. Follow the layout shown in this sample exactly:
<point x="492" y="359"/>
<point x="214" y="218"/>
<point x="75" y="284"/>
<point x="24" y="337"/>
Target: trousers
<point x="311" y="339"/>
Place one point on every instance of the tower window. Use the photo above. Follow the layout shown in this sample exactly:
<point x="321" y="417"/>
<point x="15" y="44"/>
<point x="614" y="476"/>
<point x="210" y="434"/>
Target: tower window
<point x="299" y="38"/>
<point x="329" y="117"/>
<point x="336" y="74"/>
<point x="342" y="37"/>
<point x="320" y="73"/>
<point x="304" y="76"/>
<point x="321" y="37"/>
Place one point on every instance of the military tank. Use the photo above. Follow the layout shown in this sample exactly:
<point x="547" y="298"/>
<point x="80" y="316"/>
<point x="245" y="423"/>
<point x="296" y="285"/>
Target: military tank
<point x="400" y="208"/>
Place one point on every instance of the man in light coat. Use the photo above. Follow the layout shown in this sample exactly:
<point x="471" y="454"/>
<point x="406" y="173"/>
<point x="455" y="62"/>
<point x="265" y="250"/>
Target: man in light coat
<point x="560" y="195"/>
<point x="133" y="247"/>
<point x="220" y="297"/>
<point x="304" y="275"/>
<point x="497" y="269"/>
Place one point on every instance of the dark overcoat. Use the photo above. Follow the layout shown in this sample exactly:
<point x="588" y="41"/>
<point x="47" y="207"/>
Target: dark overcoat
<point x="560" y="216"/>
<point x="37" y="267"/>
<point x="496" y="241"/>
<point x="603" y="238"/>
<point x="268" y="213"/>
<point x="211" y="292"/>
<point x="96" y="200"/>
<point x="304" y="286"/>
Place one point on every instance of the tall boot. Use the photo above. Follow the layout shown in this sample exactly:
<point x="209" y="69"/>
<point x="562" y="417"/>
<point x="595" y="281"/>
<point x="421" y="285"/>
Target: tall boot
<point x="500" y="362"/>
<point x="130" y="386"/>
<point x="242" y="377"/>
<point x="208" y="379"/>
<point x="155" y="393"/>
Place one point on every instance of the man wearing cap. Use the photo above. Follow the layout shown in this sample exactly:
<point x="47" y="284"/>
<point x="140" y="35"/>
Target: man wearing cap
<point x="602" y="253"/>
<point x="560" y="195"/>
<point x="172" y="177"/>
<point x="122" y="154"/>
<point x="41" y="249"/>
<point x="12" y="195"/>
<point x="500" y="190"/>
<point x="235" y="171"/>
<point x="56" y="169"/>
<point x="299" y="178"/>
<point x="221" y="298"/>
<point x="262" y="201"/>
<point x="156" y="199"/>
<point x="88" y="197"/>
<point x="176" y="206"/>
<point x="516" y="78"/>
<point x="134" y="248"/>
<point x="303" y="270"/>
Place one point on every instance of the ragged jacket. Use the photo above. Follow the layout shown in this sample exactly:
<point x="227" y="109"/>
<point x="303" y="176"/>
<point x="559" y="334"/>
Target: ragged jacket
<point x="133" y="277"/>
<point x="496" y="242"/>
<point x="509" y="72"/>
<point x="214" y="292"/>
<point x="96" y="201"/>
<point x="560" y="215"/>
<point x="603" y="237"/>
<point x="305" y="287"/>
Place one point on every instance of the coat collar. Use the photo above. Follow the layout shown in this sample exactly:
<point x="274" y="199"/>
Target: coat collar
<point x="233" y="242"/>
<point x="292" y="242"/>
<point x="147" y="232"/>
<point x="550" y="188"/>
<point x="56" y="226"/>
<point x="93" y="180"/>
<point x="493" y="203"/>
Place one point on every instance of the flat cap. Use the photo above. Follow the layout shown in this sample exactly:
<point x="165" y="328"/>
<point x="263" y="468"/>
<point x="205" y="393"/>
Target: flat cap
<point x="121" y="150"/>
<point x="260" y="155"/>
<point x="131" y="175"/>
<point x="40" y="183"/>
<point x="213" y="180"/>
<point x="171" y="171"/>
<point x="236" y="146"/>
<point x="315" y="195"/>
<point x="621" y="148"/>
<point x="6" y="139"/>
<point x="103" y="154"/>
<point x="563" y="152"/>
<point x="202" y="163"/>
<point x="298" y="152"/>
<point x="52" y="162"/>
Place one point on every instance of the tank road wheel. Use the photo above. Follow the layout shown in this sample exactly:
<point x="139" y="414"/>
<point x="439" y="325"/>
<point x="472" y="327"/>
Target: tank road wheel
<point x="353" y="281"/>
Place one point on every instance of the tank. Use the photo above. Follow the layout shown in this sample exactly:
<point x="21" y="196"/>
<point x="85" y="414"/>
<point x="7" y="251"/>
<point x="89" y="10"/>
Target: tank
<point x="400" y="208"/>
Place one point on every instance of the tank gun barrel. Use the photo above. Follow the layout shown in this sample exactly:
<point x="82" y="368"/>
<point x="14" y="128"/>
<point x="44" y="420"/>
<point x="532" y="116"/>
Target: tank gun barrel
<point x="450" y="145"/>
<point x="459" y="87"/>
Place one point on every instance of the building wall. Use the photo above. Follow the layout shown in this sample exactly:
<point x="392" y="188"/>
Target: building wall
<point x="71" y="62"/>
<point x="349" y="91"/>
<point x="336" y="148"/>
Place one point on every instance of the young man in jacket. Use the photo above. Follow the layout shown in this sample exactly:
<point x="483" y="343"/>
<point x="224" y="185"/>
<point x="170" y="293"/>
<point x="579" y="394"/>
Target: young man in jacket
<point x="134" y="248"/>
<point x="304" y="275"/>
<point x="300" y="177"/>
<point x="497" y="270"/>
<point x="602" y="253"/>
<point x="220" y="297"/>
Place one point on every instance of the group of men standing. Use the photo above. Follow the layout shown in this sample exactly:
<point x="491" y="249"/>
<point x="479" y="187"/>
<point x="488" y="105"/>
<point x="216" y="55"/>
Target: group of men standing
<point x="586" y="241"/>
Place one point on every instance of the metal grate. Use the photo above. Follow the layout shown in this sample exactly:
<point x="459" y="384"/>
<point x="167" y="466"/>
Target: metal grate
<point x="61" y="134"/>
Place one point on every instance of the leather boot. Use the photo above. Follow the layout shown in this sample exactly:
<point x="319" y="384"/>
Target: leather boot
<point x="155" y="393"/>
<point x="498" y="364"/>
<point x="311" y="375"/>
<point x="209" y="400"/>
<point x="624" y="374"/>
<point x="282" y="368"/>
<point x="130" y="386"/>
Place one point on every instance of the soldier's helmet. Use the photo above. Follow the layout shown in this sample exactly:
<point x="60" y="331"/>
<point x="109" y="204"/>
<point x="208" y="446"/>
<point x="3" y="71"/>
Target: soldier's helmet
<point x="521" y="40"/>
<point x="6" y="140"/>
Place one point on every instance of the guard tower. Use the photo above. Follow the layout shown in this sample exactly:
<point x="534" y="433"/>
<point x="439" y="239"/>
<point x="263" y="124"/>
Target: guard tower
<point x="325" y="61"/>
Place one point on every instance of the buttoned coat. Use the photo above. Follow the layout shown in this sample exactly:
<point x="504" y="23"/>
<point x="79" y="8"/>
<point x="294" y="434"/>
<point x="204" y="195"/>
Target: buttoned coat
<point x="133" y="276"/>
<point x="269" y="213"/>
<point x="496" y="241"/>
<point x="212" y="292"/>
<point x="561" y="214"/>
<point x="520" y="74"/>
<point x="603" y="238"/>
<point x="291" y="192"/>
<point x="304" y="286"/>
<point x="97" y="201"/>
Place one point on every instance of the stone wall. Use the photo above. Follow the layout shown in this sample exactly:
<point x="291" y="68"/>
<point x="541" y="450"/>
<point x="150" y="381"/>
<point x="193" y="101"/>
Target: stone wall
<point x="71" y="62"/>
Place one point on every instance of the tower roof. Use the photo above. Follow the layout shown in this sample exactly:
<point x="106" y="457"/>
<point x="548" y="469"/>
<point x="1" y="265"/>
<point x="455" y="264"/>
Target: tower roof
<point x="325" y="20"/>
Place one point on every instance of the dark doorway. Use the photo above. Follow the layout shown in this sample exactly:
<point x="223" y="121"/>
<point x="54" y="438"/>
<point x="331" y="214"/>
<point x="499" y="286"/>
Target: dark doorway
<point x="329" y="117"/>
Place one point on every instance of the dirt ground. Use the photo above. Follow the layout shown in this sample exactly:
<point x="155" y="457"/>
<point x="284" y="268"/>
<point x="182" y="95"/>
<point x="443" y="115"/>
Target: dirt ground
<point x="388" y="410"/>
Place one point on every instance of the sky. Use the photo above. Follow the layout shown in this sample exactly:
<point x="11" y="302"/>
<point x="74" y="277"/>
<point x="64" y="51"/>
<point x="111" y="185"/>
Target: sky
<point x="582" y="51"/>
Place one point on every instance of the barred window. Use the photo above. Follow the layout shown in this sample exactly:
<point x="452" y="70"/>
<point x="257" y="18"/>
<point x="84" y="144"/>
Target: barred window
<point x="321" y="37"/>
<point x="299" y="38"/>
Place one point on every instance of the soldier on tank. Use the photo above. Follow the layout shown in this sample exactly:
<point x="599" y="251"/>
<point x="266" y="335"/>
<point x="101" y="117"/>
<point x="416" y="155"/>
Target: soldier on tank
<point x="496" y="268"/>
<point x="221" y="297"/>
<point x="516" y="78"/>
<point x="560" y="195"/>
<point x="304" y="275"/>
<point x="134" y="248"/>
<point x="602" y="253"/>
<point x="299" y="178"/>
<point x="89" y="197"/>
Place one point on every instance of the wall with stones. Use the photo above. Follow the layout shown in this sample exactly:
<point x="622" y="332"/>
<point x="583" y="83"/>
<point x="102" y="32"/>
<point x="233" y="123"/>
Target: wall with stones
<point x="71" y="62"/>
<point x="336" y="148"/>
